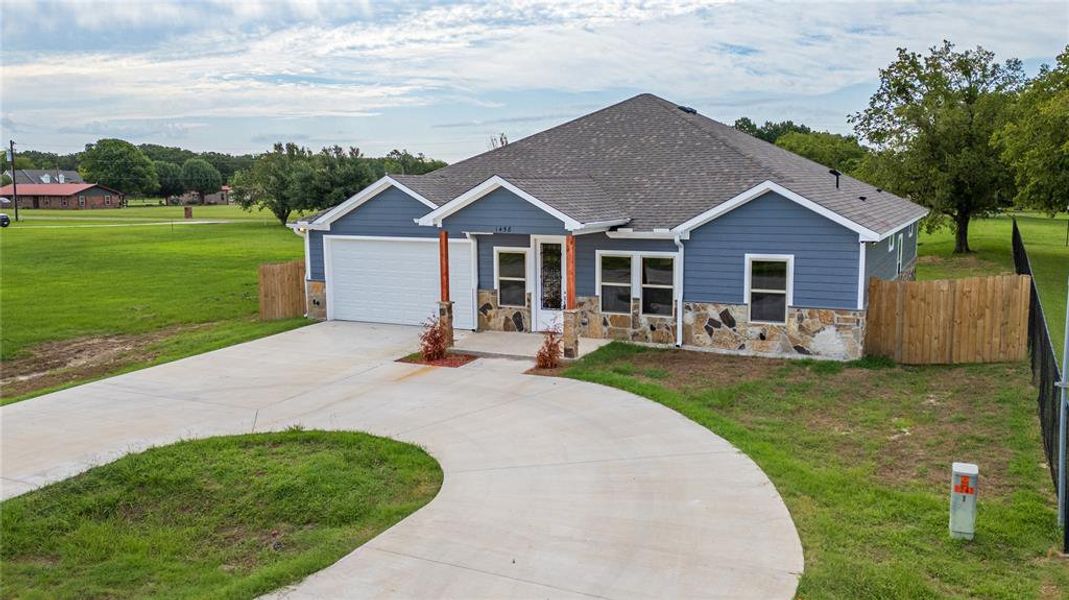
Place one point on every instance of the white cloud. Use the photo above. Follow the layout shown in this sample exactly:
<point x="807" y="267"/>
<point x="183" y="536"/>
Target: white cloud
<point x="312" y="58"/>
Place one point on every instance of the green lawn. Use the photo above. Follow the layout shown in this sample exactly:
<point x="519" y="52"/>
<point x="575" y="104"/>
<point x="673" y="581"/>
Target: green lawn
<point x="861" y="455"/>
<point x="134" y="214"/>
<point x="990" y="240"/>
<point x="197" y="283"/>
<point x="228" y="517"/>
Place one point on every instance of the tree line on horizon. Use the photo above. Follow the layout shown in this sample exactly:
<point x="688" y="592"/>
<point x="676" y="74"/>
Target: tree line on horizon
<point x="283" y="180"/>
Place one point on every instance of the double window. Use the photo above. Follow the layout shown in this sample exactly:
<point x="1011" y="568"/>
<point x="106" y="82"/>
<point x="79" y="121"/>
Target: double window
<point x="652" y="283"/>
<point x="769" y="282"/>
<point x="510" y="276"/>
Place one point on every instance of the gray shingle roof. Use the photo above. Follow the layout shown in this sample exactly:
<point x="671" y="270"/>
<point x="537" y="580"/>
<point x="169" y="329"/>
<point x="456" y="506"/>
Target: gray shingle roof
<point x="645" y="159"/>
<point x="38" y="176"/>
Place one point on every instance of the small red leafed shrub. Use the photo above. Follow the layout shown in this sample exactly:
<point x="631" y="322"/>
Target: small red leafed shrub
<point x="549" y="354"/>
<point x="432" y="340"/>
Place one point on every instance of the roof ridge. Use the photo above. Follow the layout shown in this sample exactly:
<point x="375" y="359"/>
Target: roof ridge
<point x="538" y="134"/>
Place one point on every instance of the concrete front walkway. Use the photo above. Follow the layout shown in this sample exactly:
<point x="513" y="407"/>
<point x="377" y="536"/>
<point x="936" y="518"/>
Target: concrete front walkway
<point x="507" y="344"/>
<point x="553" y="488"/>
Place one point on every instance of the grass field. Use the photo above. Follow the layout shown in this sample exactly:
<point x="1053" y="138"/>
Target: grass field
<point x="229" y="517"/>
<point x="990" y="240"/>
<point x="165" y="291"/>
<point x="861" y="455"/>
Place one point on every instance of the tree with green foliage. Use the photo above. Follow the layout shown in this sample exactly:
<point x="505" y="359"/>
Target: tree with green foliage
<point x="338" y="175"/>
<point x="120" y="165"/>
<point x="278" y="181"/>
<point x="170" y="178"/>
<point x="228" y="164"/>
<point x="1036" y="140"/>
<point x="842" y="152"/>
<point x="198" y="175"/>
<point x="770" y="132"/>
<point x="402" y="162"/>
<point x="932" y="120"/>
<point x="171" y="154"/>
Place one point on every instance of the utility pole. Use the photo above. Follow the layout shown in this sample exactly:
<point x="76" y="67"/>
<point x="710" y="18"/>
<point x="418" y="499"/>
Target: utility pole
<point x="14" y="180"/>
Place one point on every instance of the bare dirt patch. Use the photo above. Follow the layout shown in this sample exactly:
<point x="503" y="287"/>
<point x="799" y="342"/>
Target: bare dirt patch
<point x="55" y="363"/>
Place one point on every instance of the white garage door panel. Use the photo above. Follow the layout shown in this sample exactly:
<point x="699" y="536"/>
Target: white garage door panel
<point x="396" y="281"/>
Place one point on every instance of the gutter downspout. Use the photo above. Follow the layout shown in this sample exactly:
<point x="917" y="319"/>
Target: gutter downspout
<point x="679" y="299"/>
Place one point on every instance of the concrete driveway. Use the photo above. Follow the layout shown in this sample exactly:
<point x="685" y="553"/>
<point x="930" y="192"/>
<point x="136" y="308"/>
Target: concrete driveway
<point x="553" y="488"/>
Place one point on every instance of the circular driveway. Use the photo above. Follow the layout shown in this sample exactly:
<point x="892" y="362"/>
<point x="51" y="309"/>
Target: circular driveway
<point x="553" y="487"/>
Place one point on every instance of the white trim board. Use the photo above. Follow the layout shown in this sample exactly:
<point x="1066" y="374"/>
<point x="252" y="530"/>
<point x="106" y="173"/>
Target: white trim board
<point x="748" y="273"/>
<point x="323" y="221"/>
<point x="759" y="190"/>
<point x="436" y="216"/>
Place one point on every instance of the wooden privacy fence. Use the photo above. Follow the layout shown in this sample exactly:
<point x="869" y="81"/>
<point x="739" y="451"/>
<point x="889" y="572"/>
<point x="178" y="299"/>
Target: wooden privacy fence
<point x="282" y="290"/>
<point x="947" y="321"/>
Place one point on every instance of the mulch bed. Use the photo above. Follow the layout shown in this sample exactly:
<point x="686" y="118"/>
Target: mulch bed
<point x="450" y="360"/>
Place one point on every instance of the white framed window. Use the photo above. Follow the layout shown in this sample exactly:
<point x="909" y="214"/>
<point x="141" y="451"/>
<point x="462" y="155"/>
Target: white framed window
<point x="769" y="287"/>
<point x="510" y="276"/>
<point x="891" y="244"/>
<point x="648" y="276"/>
<point x="65" y="202"/>
<point x="614" y="282"/>
<point x="912" y="227"/>
<point x="658" y="291"/>
<point x="107" y="200"/>
<point x="81" y="201"/>
<point x="898" y="262"/>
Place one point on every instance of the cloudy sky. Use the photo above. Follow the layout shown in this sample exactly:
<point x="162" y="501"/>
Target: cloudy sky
<point x="441" y="77"/>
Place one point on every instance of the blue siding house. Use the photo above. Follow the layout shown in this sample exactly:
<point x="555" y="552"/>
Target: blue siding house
<point x="643" y="221"/>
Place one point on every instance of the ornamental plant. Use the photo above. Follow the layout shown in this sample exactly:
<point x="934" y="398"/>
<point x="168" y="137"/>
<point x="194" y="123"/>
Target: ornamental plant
<point x="549" y="354"/>
<point x="432" y="340"/>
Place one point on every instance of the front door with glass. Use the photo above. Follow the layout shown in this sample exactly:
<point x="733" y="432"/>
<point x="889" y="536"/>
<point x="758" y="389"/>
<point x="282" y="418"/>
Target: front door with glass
<point x="549" y="296"/>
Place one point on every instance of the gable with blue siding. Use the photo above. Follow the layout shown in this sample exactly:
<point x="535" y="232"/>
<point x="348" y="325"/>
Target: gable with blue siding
<point x="825" y="254"/>
<point x="388" y="213"/>
<point x="502" y="211"/>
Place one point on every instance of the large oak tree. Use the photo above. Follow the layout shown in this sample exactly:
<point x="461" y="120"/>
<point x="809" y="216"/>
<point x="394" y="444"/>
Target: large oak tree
<point x="932" y="120"/>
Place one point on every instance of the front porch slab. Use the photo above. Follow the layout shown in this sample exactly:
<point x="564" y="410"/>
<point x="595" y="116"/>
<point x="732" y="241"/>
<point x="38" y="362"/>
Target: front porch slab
<point x="511" y="344"/>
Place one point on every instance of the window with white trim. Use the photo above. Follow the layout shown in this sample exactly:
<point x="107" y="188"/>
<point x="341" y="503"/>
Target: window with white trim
<point x="912" y="227"/>
<point x="107" y="200"/>
<point x="81" y="201"/>
<point x="615" y="283"/>
<point x="891" y="244"/>
<point x="658" y="276"/>
<point x="768" y="289"/>
<point x="510" y="274"/>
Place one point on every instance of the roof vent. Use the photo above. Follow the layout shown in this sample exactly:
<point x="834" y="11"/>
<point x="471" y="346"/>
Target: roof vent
<point x="688" y="110"/>
<point x="879" y="190"/>
<point x="836" y="174"/>
<point x="861" y="198"/>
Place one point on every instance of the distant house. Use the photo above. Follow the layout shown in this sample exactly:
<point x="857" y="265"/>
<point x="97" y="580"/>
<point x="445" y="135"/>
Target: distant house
<point x="220" y="197"/>
<point x="28" y="176"/>
<point x="72" y="196"/>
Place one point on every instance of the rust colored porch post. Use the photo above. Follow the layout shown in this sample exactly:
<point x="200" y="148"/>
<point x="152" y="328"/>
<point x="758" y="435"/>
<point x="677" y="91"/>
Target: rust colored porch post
<point x="445" y="307"/>
<point x="443" y="262"/>
<point x="570" y="327"/>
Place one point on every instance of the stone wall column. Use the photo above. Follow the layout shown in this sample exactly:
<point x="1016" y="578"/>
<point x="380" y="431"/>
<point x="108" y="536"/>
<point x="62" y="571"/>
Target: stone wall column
<point x="570" y="334"/>
<point x="315" y="294"/>
<point x="445" y="318"/>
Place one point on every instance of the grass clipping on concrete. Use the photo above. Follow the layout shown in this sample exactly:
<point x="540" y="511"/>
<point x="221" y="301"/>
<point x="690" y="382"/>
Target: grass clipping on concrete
<point x="231" y="517"/>
<point x="861" y="455"/>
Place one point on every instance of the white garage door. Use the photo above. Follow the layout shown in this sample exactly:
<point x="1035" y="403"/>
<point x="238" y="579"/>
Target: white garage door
<point x="384" y="280"/>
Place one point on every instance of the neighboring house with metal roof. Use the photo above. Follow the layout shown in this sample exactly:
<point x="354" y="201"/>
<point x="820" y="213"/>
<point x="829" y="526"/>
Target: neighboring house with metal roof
<point x="642" y="221"/>
<point x="28" y="176"/>
<point x="71" y="196"/>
